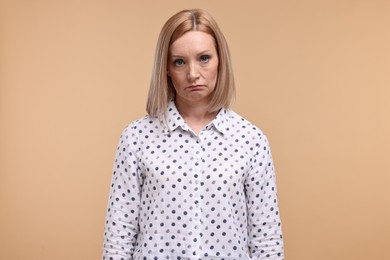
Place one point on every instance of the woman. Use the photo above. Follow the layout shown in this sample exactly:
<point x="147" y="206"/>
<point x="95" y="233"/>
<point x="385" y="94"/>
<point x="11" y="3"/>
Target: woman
<point x="192" y="179"/>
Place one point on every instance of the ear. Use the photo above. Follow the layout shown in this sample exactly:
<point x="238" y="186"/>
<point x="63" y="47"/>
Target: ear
<point x="169" y="74"/>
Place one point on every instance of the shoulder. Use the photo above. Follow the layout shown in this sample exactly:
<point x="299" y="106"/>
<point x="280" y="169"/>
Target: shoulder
<point x="241" y="124"/>
<point x="143" y="122"/>
<point x="140" y="125"/>
<point x="249" y="133"/>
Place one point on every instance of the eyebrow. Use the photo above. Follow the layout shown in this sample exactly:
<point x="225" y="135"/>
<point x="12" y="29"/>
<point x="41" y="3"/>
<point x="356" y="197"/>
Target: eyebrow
<point x="181" y="56"/>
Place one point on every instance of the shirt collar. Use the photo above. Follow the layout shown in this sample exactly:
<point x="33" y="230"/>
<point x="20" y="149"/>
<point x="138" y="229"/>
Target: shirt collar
<point x="174" y="119"/>
<point x="220" y="122"/>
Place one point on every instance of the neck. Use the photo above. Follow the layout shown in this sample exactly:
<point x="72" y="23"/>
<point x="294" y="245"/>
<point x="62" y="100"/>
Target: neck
<point x="196" y="115"/>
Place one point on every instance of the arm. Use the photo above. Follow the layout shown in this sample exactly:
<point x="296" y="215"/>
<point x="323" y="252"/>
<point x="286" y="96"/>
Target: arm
<point x="121" y="227"/>
<point x="264" y="225"/>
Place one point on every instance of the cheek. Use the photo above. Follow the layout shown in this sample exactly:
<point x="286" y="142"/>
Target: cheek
<point x="177" y="80"/>
<point x="214" y="74"/>
<point x="172" y="76"/>
<point x="215" y="70"/>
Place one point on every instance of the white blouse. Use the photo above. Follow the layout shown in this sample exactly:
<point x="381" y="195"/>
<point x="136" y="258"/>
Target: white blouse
<point x="178" y="195"/>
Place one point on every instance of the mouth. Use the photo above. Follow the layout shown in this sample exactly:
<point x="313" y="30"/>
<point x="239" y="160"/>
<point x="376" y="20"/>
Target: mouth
<point x="195" y="87"/>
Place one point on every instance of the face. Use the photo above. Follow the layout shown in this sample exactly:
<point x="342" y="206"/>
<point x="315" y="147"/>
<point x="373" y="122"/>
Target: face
<point x="193" y="67"/>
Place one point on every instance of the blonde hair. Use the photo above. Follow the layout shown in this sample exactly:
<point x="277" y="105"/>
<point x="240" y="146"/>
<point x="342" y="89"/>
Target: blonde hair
<point x="161" y="89"/>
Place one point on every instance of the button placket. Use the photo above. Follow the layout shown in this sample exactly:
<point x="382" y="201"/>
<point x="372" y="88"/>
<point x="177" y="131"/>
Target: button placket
<point x="197" y="166"/>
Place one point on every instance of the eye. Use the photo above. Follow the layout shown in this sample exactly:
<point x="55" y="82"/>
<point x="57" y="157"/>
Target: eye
<point x="178" y="62"/>
<point x="204" y="58"/>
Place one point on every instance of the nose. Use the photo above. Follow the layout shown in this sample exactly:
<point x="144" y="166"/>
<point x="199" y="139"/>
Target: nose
<point x="193" y="72"/>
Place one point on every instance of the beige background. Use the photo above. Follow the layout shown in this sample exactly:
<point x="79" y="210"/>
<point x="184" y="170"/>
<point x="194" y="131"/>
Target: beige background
<point x="314" y="75"/>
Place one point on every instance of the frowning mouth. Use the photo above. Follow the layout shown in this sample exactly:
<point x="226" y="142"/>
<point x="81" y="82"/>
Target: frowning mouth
<point x="195" y="87"/>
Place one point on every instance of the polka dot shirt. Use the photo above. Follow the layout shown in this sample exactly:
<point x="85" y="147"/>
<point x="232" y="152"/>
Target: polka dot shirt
<point x="178" y="195"/>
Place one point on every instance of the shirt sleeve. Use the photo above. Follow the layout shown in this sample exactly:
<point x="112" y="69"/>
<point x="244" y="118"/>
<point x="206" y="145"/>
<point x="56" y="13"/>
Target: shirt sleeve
<point x="121" y="227"/>
<point x="264" y="225"/>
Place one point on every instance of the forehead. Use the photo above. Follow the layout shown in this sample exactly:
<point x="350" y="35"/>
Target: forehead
<point x="193" y="41"/>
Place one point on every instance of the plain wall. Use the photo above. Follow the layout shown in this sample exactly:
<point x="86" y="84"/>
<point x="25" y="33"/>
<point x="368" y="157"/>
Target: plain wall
<point x="313" y="75"/>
